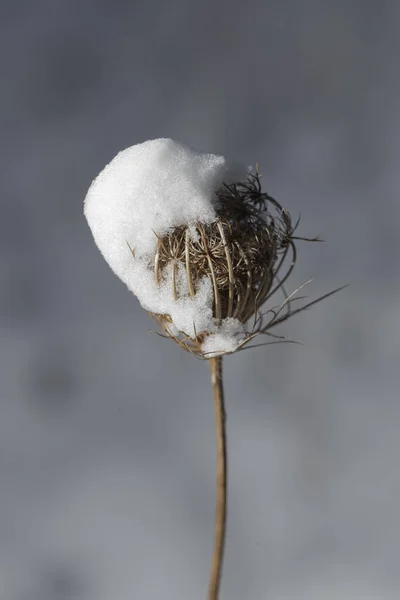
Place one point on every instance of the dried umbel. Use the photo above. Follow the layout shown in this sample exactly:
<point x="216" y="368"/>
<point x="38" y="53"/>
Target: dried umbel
<point x="248" y="253"/>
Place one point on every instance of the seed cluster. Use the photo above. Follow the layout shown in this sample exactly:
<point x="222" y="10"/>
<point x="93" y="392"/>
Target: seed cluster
<point x="242" y="252"/>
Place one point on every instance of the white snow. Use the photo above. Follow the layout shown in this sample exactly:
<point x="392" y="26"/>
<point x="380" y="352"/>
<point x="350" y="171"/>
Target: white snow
<point x="226" y="338"/>
<point x="146" y="190"/>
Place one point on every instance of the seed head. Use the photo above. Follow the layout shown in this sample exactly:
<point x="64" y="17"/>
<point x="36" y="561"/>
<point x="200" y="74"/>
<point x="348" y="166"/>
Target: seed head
<point x="205" y="256"/>
<point x="242" y="252"/>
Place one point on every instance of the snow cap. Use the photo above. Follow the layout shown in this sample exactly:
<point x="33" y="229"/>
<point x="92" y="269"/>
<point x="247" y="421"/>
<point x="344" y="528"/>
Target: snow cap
<point x="144" y="192"/>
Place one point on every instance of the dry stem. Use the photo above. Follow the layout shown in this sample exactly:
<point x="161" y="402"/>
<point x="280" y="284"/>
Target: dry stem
<point x="220" y="515"/>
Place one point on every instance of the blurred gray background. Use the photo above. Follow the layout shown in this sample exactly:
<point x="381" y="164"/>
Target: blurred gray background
<point x="107" y="451"/>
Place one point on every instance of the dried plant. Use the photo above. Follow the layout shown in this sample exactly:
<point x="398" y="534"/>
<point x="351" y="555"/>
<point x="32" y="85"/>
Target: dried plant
<point x="221" y="263"/>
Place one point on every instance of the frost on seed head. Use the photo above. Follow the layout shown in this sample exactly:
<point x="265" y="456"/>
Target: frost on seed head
<point x="194" y="238"/>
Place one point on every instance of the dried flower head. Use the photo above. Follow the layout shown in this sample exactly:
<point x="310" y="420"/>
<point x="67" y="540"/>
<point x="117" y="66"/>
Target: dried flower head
<point x="243" y="252"/>
<point x="202" y="256"/>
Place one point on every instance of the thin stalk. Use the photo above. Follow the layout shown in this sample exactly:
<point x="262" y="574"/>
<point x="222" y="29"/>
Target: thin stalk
<point x="220" y="514"/>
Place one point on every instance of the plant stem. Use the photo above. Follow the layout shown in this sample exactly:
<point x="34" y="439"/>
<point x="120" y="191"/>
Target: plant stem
<point x="220" y="515"/>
